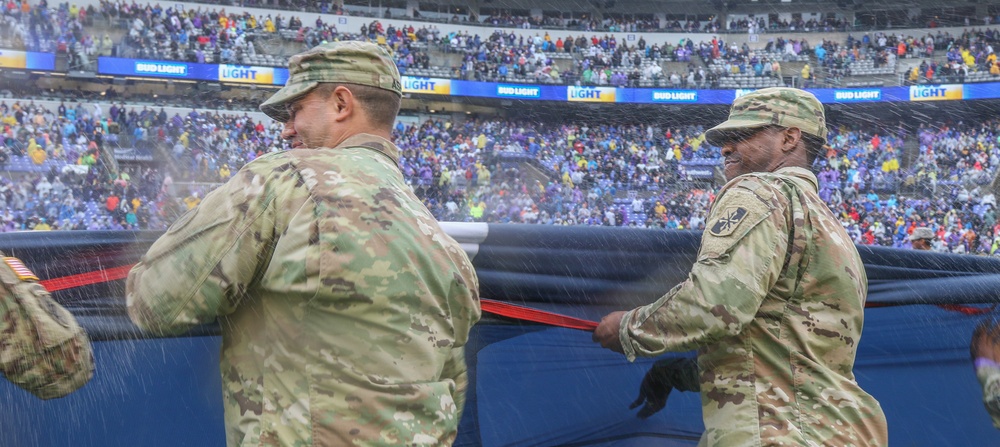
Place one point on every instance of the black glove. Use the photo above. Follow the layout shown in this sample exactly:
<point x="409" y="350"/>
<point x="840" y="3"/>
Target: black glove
<point x="661" y="379"/>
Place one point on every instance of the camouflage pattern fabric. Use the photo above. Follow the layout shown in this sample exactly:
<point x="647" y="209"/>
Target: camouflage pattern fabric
<point x="922" y="233"/>
<point x="781" y="106"/>
<point x="42" y="348"/>
<point x="349" y="62"/>
<point x="988" y="373"/>
<point x="775" y="307"/>
<point x="985" y="351"/>
<point x="344" y="306"/>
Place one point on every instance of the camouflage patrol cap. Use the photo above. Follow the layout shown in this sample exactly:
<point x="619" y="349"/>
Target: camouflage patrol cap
<point x="921" y="233"/>
<point x="781" y="106"/>
<point x="350" y="62"/>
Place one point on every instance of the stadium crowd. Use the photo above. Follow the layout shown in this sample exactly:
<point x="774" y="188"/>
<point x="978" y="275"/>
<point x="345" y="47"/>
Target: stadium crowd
<point x="61" y="172"/>
<point x="215" y="36"/>
<point x="58" y="175"/>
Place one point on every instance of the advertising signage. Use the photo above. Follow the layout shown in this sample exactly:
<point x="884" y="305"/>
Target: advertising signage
<point x="243" y="74"/>
<point x="28" y="60"/>
<point x="276" y="76"/>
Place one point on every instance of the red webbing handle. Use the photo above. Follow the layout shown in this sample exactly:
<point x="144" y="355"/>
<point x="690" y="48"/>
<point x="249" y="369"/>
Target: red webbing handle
<point x="492" y="306"/>
<point x="86" y="279"/>
<point x="535" y="315"/>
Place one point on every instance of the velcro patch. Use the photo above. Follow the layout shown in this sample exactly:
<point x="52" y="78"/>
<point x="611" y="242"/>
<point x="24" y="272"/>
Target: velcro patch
<point x="728" y="221"/>
<point x="740" y="210"/>
<point x="22" y="272"/>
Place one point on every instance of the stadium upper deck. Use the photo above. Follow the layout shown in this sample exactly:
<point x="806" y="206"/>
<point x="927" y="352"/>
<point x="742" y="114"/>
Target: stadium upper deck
<point x="640" y="59"/>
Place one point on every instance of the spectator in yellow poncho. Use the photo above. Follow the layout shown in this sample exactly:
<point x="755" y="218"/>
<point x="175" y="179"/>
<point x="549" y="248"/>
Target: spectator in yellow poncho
<point x="192" y="201"/>
<point x="890" y="165"/>
<point x="659" y="209"/>
<point x="36" y="152"/>
<point x="445" y="178"/>
<point x="476" y="211"/>
<point x="484" y="176"/>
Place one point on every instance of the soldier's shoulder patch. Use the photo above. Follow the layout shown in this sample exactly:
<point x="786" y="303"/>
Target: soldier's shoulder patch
<point x="22" y="272"/>
<point x="728" y="220"/>
<point x="735" y="213"/>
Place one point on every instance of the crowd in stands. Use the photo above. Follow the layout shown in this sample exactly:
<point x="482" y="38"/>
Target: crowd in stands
<point x="58" y="174"/>
<point x="59" y="162"/>
<point x="215" y="36"/>
<point x="633" y="176"/>
<point x="624" y="175"/>
<point x="627" y="22"/>
<point x="63" y="29"/>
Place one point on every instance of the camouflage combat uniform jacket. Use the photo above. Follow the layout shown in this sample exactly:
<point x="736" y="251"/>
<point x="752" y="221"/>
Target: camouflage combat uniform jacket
<point x="989" y="379"/>
<point x="775" y="305"/>
<point x="344" y="306"/>
<point x="42" y="347"/>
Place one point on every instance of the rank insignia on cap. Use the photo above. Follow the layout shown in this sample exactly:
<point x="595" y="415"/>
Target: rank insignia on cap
<point x="19" y="269"/>
<point x="730" y="219"/>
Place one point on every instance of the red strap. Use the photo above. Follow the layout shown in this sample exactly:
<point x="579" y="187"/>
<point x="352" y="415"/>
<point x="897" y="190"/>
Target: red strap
<point x="967" y="310"/>
<point x="535" y="315"/>
<point x="86" y="279"/>
<point x="492" y="306"/>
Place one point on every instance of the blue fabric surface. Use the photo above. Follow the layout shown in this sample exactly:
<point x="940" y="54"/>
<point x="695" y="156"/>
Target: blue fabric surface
<point x="529" y="385"/>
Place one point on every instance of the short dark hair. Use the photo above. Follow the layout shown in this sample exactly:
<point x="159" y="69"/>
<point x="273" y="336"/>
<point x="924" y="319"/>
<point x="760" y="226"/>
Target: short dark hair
<point x="380" y="105"/>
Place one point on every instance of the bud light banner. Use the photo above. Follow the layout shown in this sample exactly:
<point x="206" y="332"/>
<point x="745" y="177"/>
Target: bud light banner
<point x="27" y="59"/>
<point x="257" y="75"/>
<point x="936" y="92"/>
<point x="243" y="74"/>
<point x="433" y="86"/>
<point x="247" y="74"/>
<point x="590" y="94"/>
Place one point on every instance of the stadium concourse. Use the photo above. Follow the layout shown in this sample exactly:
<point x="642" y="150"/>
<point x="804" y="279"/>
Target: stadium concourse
<point x="83" y="149"/>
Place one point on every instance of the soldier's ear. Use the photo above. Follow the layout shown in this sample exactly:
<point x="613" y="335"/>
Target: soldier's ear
<point x="790" y="138"/>
<point x="343" y="102"/>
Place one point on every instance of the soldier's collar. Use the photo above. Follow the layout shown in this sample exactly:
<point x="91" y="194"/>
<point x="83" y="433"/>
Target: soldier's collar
<point x="802" y="173"/>
<point x="375" y="143"/>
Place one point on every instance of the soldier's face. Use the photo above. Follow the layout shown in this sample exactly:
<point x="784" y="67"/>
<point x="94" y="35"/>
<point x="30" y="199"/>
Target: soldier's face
<point x="751" y="150"/>
<point x="921" y="244"/>
<point x="308" y="125"/>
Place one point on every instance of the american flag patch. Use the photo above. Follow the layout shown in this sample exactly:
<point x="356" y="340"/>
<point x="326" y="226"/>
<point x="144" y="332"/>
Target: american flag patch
<point x="19" y="269"/>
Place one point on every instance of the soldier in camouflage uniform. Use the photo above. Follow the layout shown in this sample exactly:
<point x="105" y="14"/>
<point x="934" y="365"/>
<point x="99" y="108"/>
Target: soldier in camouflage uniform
<point x="42" y="348"/>
<point x="922" y="238"/>
<point x="985" y="350"/>
<point x="344" y="306"/>
<point x="775" y="302"/>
